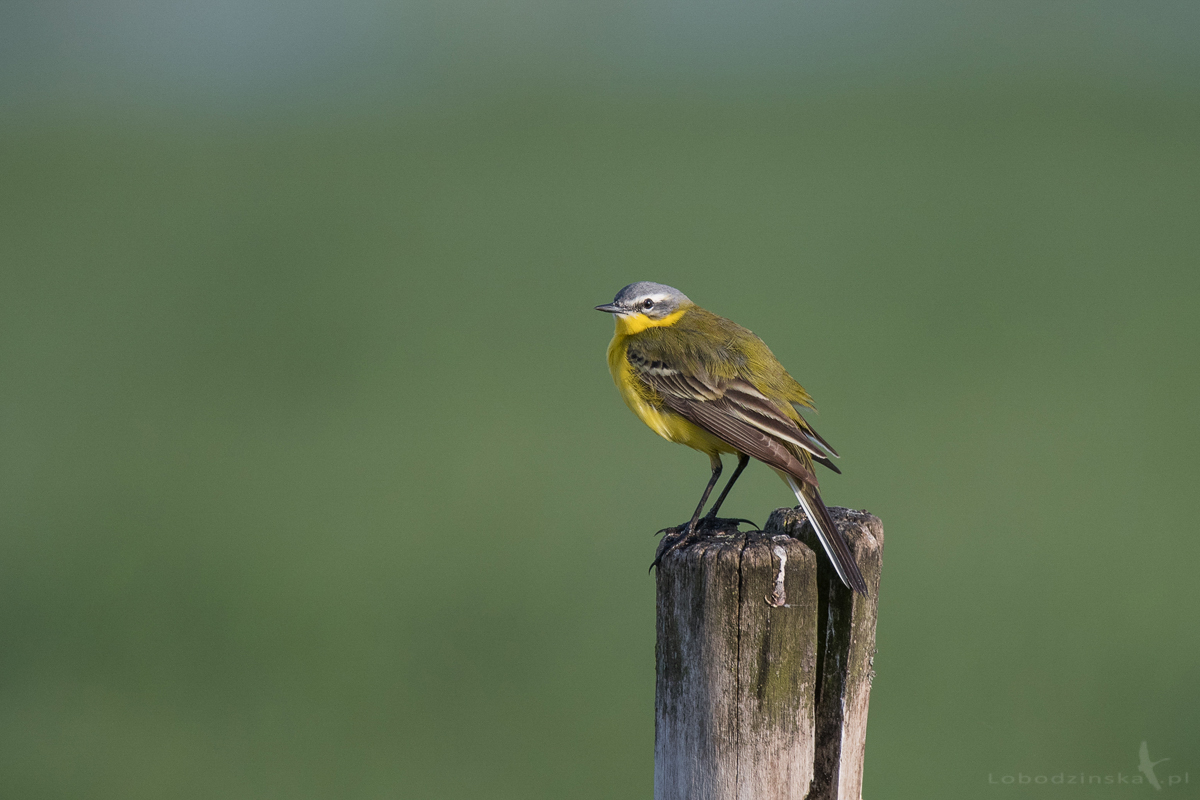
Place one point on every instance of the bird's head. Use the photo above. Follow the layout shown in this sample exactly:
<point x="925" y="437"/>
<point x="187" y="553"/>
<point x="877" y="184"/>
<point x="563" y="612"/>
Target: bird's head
<point x="646" y="305"/>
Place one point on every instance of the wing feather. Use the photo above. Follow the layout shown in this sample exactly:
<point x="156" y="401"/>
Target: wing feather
<point x="735" y="411"/>
<point x="813" y="431"/>
<point x="757" y="409"/>
<point x="715" y="418"/>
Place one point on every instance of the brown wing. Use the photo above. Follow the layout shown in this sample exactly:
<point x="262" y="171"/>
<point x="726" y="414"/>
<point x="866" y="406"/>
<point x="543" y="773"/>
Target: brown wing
<point x="757" y="409"/>
<point x="735" y="412"/>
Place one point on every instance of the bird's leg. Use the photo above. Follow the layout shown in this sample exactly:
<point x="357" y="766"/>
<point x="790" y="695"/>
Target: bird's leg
<point x="716" y="475"/>
<point x="743" y="460"/>
<point x="690" y="531"/>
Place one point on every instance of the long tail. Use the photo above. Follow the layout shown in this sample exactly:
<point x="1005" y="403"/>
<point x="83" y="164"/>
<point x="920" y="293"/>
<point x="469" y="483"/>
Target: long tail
<point x="831" y="539"/>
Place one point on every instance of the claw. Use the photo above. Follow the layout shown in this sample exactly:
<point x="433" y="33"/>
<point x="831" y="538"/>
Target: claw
<point x="680" y="540"/>
<point x="713" y="520"/>
<point x="682" y="535"/>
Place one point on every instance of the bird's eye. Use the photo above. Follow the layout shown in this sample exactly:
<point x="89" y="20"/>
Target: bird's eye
<point x="648" y="304"/>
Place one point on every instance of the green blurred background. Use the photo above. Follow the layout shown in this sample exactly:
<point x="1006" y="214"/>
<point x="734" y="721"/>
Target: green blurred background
<point x="314" y="483"/>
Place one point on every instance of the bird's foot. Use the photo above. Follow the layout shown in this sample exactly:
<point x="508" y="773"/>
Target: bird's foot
<point x="710" y="526"/>
<point x="683" y="535"/>
<point x="719" y="524"/>
<point x="673" y="539"/>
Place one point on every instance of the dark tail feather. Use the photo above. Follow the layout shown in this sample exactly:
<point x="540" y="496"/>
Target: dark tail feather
<point x="827" y="463"/>
<point x="831" y="538"/>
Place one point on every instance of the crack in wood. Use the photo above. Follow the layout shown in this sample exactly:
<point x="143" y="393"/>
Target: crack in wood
<point x="739" y="710"/>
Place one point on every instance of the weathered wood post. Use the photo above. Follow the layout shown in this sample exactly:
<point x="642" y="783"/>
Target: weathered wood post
<point x="764" y="664"/>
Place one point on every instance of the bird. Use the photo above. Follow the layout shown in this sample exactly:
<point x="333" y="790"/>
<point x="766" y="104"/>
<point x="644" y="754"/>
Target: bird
<point x="1146" y="766"/>
<point x="699" y="379"/>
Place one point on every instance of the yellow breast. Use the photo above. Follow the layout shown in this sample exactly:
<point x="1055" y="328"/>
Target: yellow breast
<point x="648" y="407"/>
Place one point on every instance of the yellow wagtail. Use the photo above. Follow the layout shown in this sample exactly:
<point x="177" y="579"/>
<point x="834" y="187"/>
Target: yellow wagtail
<point x="701" y="380"/>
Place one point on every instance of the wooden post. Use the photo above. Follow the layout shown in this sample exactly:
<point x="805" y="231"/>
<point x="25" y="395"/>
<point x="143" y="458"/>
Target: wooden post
<point x="764" y="664"/>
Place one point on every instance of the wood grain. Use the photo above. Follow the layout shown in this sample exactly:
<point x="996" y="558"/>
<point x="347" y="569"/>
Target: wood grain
<point x="846" y="650"/>
<point x="741" y="628"/>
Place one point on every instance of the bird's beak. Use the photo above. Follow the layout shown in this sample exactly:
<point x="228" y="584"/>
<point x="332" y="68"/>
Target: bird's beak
<point x="611" y="308"/>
